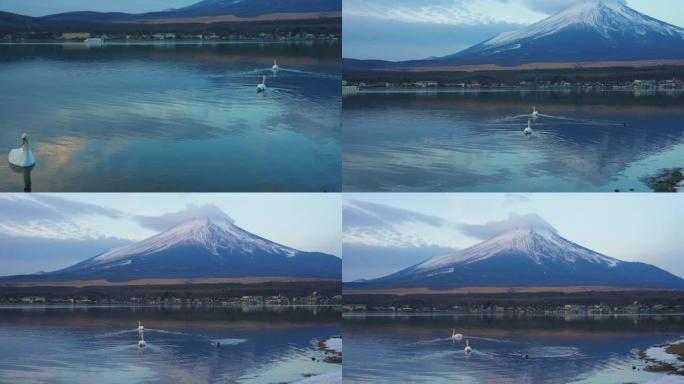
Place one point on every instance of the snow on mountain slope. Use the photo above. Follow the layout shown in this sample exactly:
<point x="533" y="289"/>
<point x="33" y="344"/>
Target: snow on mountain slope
<point x="215" y="236"/>
<point x="593" y="30"/>
<point x="539" y="246"/>
<point x="605" y="16"/>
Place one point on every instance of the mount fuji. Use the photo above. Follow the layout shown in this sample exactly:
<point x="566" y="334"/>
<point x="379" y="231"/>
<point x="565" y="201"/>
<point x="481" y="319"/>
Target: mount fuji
<point x="590" y="31"/>
<point x="525" y="258"/>
<point x="199" y="248"/>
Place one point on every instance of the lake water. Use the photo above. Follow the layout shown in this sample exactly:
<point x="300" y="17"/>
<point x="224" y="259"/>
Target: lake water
<point x="172" y="117"/>
<point x="474" y="141"/>
<point x="419" y="349"/>
<point x="86" y="345"/>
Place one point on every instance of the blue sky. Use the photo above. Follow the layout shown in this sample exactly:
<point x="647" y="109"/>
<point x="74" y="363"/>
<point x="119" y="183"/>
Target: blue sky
<point x="43" y="232"/>
<point x="383" y="233"/>
<point x="417" y="29"/>
<point x="48" y="7"/>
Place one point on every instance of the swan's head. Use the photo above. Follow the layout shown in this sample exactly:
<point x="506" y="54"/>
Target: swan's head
<point x="263" y="79"/>
<point x="275" y="62"/>
<point x="24" y="138"/>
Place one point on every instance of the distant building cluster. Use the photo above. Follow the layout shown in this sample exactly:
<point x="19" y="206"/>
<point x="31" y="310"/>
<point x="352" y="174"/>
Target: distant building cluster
<point x="674" y="84"/>
<point x="567" y="309"/>
<point x="315" y="299"/>
<point x="171" y="36"/>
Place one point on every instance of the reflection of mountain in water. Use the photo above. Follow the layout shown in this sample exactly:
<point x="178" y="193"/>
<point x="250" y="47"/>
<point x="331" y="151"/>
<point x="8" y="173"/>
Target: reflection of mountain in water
<point x="474" y="139"/>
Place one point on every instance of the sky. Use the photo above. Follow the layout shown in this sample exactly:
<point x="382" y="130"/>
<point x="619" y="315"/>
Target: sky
<point x="49" y="7"/>
<point x="384" y="233"/>
<point x="417" y="29"/>
<point x="45" y="232"/>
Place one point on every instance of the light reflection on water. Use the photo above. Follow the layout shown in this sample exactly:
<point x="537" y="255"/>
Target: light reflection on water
<point x="473" y="141"/>
<point x="173" y="117"/>
<point x="419" y="349"/>
<point x="62" y="345"/>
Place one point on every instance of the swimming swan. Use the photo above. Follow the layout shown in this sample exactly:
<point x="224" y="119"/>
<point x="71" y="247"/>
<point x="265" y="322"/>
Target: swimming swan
<point x="141" y="334"/>
<point x="535" y="114"/>
<point x="467" y="348"/>
<point x="456" y="336"/>
<point x="275" y="65"/>
<point x="528" y="131"/>
<point x="22" y="157"/>
<point x="262" y="86"/>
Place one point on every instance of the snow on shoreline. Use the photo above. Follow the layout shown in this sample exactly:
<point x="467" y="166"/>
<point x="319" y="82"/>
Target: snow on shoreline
<point x="326" y="378"/>
<point x="334" y="344"/>
<point x="660" y="355"/>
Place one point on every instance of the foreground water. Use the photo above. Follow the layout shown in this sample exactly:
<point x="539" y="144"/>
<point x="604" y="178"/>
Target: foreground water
<point x="85" y="345"/>
<point x="419" y="349"/>
<point x="474" y="141"/>
<point x="172" y="117"/>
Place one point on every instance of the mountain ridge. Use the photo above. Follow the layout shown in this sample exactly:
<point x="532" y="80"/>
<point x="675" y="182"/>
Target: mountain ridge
<point x="195" y="249"/>
<point x="194" y="13"/>
<point x="591" y="31"/>
<point x="525" y="257"/>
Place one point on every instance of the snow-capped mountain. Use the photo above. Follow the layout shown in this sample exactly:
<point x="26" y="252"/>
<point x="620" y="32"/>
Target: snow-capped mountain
<point x="594" y="30"/>
<point x="202" y="248"/>
<point x="522" y="258"/>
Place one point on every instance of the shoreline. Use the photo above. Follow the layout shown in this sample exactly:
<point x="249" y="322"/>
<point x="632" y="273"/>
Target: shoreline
<point x="665" y="358"/>
<point x="172" y="42"/>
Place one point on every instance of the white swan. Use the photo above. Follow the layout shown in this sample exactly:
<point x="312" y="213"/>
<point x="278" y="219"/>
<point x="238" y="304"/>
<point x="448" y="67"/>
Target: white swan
<point x="535" y="114"/>
<point x="22" y="157"/>
<point x="528" y="131"/>
<point x="141" y="334"/>
<point x="455" y="336"/>
<point x="262" y="86"/>
<point x="141" y="343"/>
<point x="467" y="348"/>
<point x="275" y="65"/>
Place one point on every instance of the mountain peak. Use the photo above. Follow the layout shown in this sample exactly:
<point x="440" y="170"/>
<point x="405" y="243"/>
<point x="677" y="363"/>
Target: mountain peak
<point x="607" y="17"/>
<point x="214" y="235"/>
<point x="538" y="244"/>
<point x="589" y="31"/>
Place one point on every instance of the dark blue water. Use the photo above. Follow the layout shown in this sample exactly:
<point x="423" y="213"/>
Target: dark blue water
<point x="86" y="345"/>
<point x="419" y="349"/>
<point x="172" y="117"/>
<point x="474" y="141"/>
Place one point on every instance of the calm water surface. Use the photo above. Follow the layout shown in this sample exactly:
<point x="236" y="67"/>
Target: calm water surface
<point x="86" y="345"/>
<point x="473" y="141"/>
<point x="419" y="349"/>
<point x="172" y="117"/>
